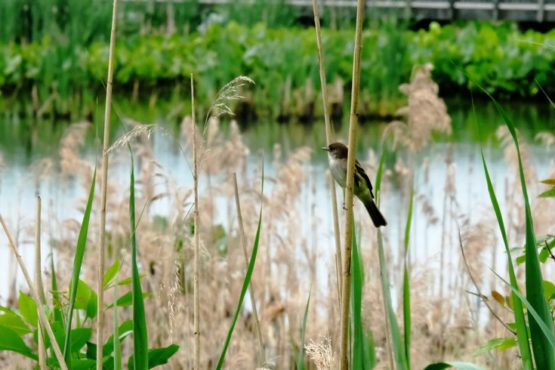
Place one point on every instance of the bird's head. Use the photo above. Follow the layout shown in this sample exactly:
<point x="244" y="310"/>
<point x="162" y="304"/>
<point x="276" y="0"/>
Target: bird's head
<point x="337" y="150"/>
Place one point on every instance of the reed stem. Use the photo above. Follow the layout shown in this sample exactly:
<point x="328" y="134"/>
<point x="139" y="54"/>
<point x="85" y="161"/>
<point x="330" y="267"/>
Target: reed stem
<point x="38" y="283"/>
<point x="328" y="129"/>
<point x="353" y="122"/>
<point x="196" y="297"/>
<point x="104" y="192"/>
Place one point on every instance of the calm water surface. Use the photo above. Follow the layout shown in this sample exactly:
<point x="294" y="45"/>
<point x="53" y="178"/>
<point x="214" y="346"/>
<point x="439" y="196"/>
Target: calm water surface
<point x="23" y="143"/>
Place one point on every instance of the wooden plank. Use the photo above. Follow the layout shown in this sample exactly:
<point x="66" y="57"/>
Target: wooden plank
<point x="438" y="9"/>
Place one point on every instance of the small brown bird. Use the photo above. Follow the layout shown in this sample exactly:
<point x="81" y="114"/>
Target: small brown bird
<point x="337" y="153"/>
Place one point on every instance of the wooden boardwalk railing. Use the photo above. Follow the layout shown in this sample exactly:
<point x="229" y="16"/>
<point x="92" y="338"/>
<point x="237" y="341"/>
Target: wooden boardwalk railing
<point x="523" y="10"/>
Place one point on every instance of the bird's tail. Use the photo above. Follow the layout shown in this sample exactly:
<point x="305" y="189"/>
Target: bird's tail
<point x="375" y="214"/>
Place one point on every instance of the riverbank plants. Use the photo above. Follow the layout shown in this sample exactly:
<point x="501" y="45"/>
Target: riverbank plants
<point x="65" y="80"/>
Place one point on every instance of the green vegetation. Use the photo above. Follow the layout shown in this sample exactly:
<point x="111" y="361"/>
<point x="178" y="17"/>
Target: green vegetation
<point x="499" y="58"/>
<point x="20" y="327"/>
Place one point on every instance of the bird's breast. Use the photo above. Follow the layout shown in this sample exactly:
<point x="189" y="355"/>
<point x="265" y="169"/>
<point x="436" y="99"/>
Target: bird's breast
<point x="338" y="170"/>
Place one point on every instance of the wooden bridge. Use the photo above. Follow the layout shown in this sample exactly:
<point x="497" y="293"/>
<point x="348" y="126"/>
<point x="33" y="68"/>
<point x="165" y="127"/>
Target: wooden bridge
<point x="515" y="10"/>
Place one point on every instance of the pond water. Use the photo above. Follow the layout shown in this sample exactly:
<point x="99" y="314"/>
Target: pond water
<point x="24" y="142"/>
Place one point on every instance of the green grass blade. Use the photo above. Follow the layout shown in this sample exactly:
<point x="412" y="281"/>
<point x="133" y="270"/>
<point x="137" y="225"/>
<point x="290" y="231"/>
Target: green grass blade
<point x="545" y="329"/>
<point x="117" y="341"/>
<point x="77" y="263"/>
<point x="360" y="357"/>
<point x="140" y="336"/>
<point x="56" y="302"/>
<point x="518" y="311"/>
<point x="246" y="283"/>
<point x="544" y="353"/>
<point x="300" y="356"/>
<point x="379" y="174"/>
<point x="397" y="345"/>
<point x="406" y="281"/>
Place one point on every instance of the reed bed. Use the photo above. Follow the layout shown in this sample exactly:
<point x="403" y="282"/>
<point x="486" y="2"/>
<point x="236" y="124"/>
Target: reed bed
<point x="447" y="322"/>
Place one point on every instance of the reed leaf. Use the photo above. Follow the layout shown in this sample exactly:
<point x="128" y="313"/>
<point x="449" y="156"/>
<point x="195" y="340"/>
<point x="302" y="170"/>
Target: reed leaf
<point x="300" y="355"/>
<point x="246" y="283"/>
<point x="361" y="358"/>
<point x="56" y="302"/>
<point x="117" y="340"/>
<point x="394" y="335"/>
<point x="520" y="321"/>
<point x="140" y="335"/>
<point x="77" y="263"/>
<point x="544" y="352"/>
<point x="406" y="281"/>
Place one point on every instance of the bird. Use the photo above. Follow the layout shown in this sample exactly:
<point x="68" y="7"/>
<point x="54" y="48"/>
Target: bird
<point x="337" y="155"/>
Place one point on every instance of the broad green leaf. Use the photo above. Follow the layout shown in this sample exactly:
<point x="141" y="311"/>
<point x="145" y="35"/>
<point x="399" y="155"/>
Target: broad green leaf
<point x="79" y="337"/>
<point x="452" y="364"/>
<point x="11" y="341"/>
<point x="140" y="336"/>
<point x="76" y="271"/>
<point x="83" y="364"/>
<point x="246" y="283"/>
<point x="129" y="280"/>
<point x="500" y="344"/>
<point x="157" y="356"/>
<point x="111" y="273"/>
<point x="86" y="299"/>
<point x="549" y="290"/>
<point x="10" y="319"/>
<point x="127" y="299"/>
<point x="124" y="330"/>
<point x="548" y="194"/>
<point x="28" y="309"/>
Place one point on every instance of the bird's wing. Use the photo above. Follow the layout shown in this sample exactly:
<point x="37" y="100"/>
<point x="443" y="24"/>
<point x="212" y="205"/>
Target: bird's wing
<point x="360" y="173"/>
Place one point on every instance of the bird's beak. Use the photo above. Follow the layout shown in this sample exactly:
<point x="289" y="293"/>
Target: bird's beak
<point x="326" y="148"/>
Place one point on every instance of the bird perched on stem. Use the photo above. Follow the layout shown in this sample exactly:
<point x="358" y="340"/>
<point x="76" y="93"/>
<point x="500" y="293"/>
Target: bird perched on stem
<point x="337" y="153"/>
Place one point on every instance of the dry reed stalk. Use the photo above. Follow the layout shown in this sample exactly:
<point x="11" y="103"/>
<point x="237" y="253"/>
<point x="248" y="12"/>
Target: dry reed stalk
<point x="104" y="187"/>
<point x="327" y="124"/>
<point x="261" y="355"/>
<point x="346" y="290"/>
<point x="38" y="284"/>
<point x="196" y="297"/>
<point x="34" y="292"/>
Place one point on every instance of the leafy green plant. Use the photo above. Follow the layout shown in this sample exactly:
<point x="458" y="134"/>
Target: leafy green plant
<point x="20" y="327"/>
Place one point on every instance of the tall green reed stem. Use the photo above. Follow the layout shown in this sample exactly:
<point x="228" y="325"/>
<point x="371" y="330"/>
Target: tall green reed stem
<point x="346" y="289"/>
<point x="328" y="129"/>
<point x="104" y="189"/>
